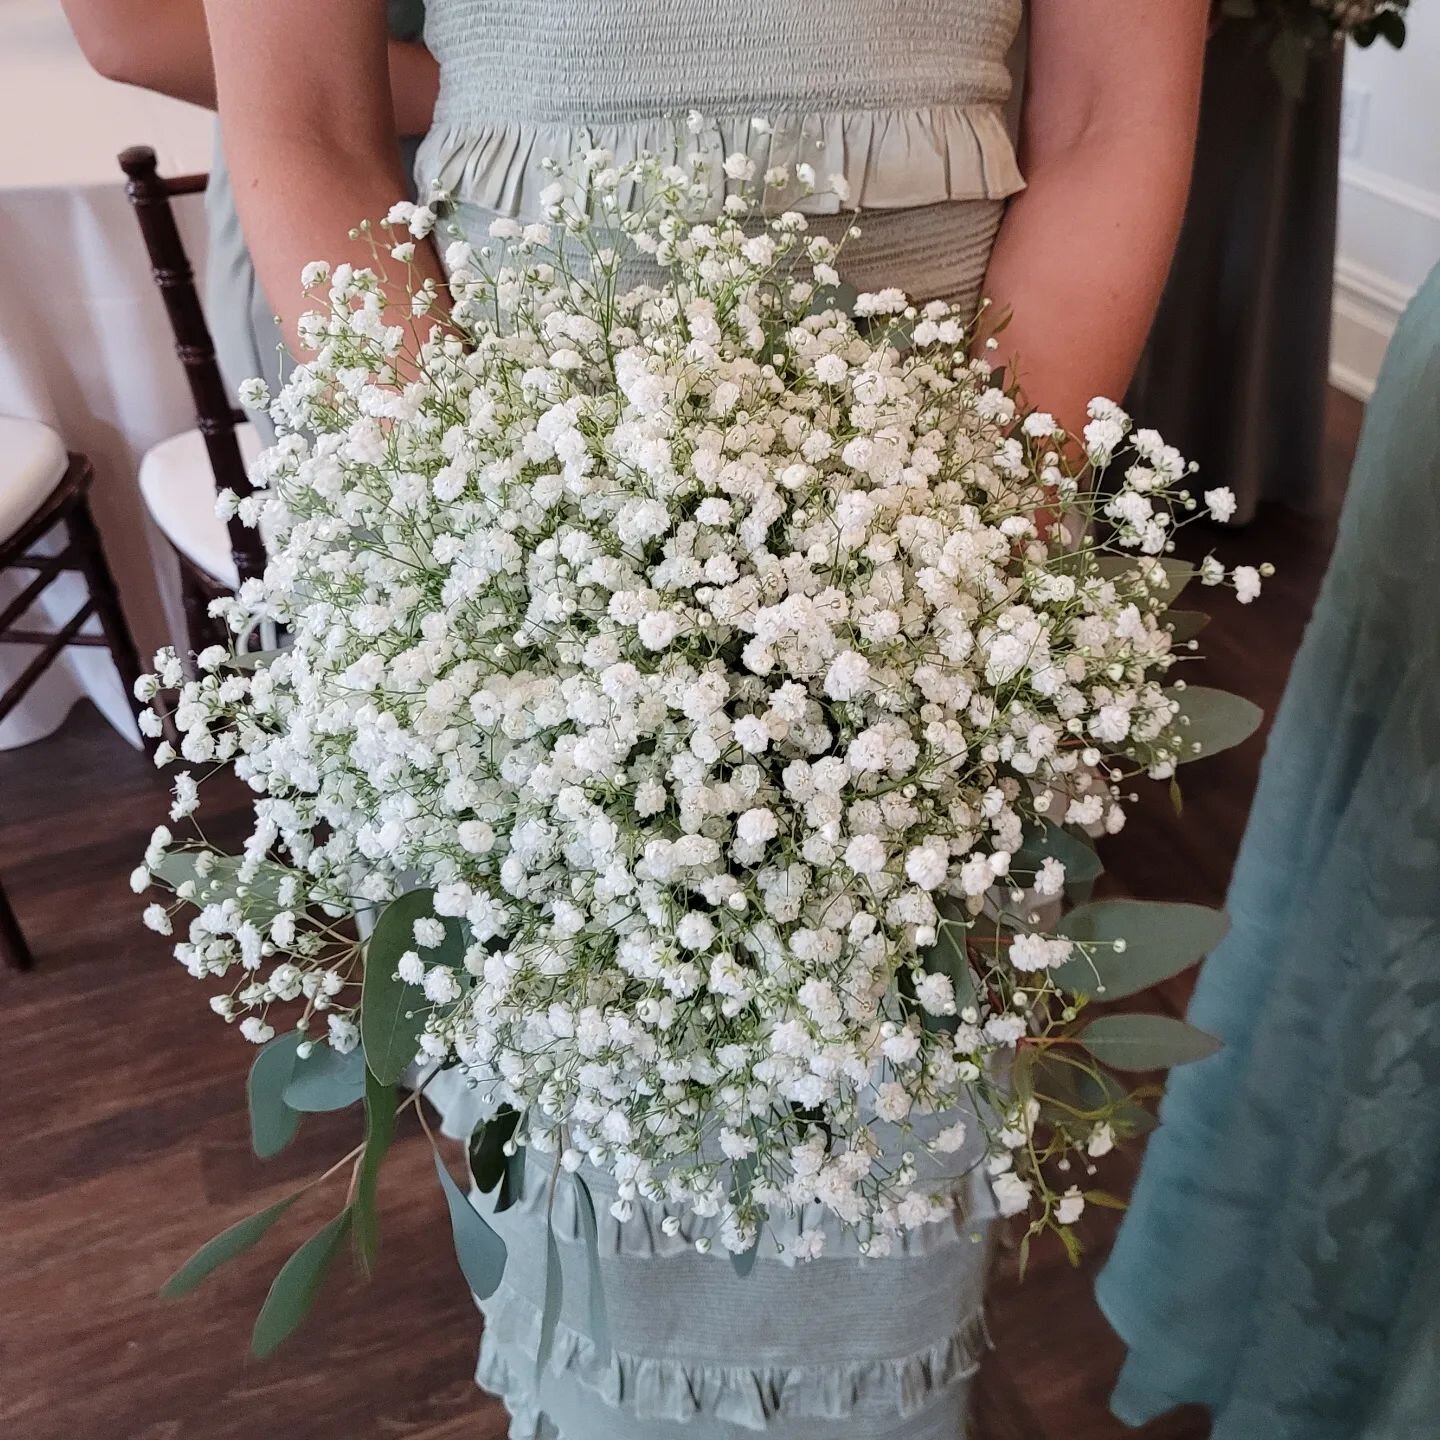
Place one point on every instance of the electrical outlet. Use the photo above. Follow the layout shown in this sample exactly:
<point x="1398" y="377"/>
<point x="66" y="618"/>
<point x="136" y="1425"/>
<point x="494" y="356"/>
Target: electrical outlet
<point x="1354" y="115"/>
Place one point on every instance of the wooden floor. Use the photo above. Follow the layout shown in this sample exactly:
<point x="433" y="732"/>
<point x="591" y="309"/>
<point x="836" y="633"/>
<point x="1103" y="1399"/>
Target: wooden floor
<point x="123" y="1140"/>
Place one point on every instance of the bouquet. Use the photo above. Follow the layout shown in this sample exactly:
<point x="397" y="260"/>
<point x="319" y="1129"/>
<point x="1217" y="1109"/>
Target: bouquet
<point x="700" y="702"/>
<point x="1300" y="30"/>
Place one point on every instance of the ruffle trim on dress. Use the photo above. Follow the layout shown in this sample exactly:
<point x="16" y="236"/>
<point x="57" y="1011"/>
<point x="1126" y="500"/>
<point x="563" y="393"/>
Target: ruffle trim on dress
<point x="888" y="159"/>
<point x="750" y="1397"/>
<point x="970" y="1209"/>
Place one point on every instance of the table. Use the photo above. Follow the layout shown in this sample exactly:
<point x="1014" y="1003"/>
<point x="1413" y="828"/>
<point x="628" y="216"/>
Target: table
<point x="84" y="343"/>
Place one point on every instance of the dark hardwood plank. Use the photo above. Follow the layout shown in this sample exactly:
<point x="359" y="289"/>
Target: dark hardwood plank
<point x="124" y="1136"/>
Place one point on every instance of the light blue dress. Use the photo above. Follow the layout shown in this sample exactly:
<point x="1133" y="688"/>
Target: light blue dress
<point x="1281" y="1261"/>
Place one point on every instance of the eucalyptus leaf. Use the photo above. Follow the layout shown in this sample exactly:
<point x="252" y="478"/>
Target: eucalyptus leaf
<point x="743" y="1261"/>
<point x="487" y="1148"/>
<point x="1072" y="1090"/>
<point x="480" y="1251"/>
<point x="272" y="1122"/>
<point x="554" y="1300"/>
<point x="252" y="659"/>
<point x="512" y="1182"/>
<point x="1049" y="841"/>
<point x="1177" y="573"/>
<point x="392" y="1013"/>
<point x="379" y="1132"/>
<point x="225" y="1246"/>
<point x="326" y="1080"/>
<point x="948" y="955"/>
<point x="1160" y="940"/>
<point x="1145" y="1042"/>
<point x="834" y="297"/>
<point x="590" y="1233"/>
<point x="742" y="1174"/>
<point x="1211" y="721"/>
<point x="1185" y="624"/>
<point x="1071" y="1242"/>
<point x="1106" y="1200"/>
<point x="294" y="1289"/>
<point x="259" y="897"/>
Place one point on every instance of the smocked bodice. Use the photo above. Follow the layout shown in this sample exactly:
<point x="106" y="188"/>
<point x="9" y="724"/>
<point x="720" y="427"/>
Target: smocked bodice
<point x="902" y="100"/>
<point x="611" y="61"/>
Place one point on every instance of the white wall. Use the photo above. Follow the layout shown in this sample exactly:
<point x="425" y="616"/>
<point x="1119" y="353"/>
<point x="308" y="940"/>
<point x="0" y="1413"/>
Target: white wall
<point x="1389" y="193"/>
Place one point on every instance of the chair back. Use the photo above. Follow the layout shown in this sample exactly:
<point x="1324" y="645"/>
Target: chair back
<point x="150" y="195"/>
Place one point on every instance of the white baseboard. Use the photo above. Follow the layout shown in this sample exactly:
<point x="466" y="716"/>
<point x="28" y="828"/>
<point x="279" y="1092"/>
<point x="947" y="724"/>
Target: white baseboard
<point x="1367" y="307"/>
<point x="1415" y="199"/>
<point x="1389" y="239"/>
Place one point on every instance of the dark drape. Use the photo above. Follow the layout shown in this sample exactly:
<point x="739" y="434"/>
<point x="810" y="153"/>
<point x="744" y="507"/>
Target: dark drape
<point x="1236" y="368"/>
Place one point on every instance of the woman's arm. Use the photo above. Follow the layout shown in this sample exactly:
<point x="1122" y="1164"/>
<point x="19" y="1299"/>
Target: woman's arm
<point x="1112" y="96"/>
<point x="163" y="45"/>
<point x="304" y="98"/>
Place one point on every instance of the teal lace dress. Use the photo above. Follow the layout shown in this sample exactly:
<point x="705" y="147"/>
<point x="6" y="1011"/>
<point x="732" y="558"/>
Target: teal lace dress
<point x="1281" y="1262"/>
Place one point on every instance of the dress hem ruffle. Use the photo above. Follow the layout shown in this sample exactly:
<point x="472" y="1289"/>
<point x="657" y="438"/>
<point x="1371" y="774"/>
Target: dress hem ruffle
<point x="750" y="1397"/>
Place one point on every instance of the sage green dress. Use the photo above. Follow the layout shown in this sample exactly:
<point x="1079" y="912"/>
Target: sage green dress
<point x="905" y="100"/>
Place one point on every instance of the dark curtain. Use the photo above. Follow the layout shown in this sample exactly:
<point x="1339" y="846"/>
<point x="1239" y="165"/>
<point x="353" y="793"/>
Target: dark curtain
<point x="1236" y="368"/>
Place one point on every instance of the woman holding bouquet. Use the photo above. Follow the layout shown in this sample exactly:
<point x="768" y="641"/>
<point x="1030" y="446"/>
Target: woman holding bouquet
<point x="897" y="109"/>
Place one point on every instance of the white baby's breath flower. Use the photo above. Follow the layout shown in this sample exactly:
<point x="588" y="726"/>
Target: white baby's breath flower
<point x="254" y="394"/>
<point x="1221" y="503"/>
<point x="1101" y="1141"/>
<point x="1247" y="583"/>
<point x="696" y="650"/>
<point x="256" y="1031"/>
<point x="1012" y="1193"/>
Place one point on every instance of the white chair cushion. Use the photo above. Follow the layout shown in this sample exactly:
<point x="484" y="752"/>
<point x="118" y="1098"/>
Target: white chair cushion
<point x="32" y="461"/>
<point x="179" y="490"/>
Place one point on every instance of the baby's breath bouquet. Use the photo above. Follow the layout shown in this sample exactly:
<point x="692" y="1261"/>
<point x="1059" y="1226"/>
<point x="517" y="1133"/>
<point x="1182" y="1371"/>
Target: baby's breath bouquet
<point x="703" y="688"/>
<point x="1300" y="30"/>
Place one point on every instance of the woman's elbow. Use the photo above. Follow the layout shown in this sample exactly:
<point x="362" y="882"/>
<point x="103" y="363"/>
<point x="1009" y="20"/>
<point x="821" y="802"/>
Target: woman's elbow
<point x="116" y="52"/>
<point x="155" y="45"/>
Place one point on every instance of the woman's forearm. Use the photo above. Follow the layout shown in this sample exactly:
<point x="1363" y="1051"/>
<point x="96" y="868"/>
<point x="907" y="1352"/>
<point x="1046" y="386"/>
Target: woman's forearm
<point x="1107" y="136"/>
<point x="1079" y="266"/>
<point x="299" y="202"/>
<point x="311" y="151"/>
<point x="164" y="45"/>
<point x="159" y="45"/>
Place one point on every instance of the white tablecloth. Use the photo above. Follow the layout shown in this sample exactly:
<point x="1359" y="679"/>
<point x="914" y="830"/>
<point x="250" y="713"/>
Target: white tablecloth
<point x="84" y="343"/>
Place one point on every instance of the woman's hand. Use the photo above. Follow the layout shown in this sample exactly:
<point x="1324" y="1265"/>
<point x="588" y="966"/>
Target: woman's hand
<point x="1112" y="96"/>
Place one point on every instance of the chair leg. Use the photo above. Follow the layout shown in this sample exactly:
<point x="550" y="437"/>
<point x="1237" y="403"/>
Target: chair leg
<point x="199" y="625"/>
<point x="86" y="540"/>
<point x="16" y="952"/>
